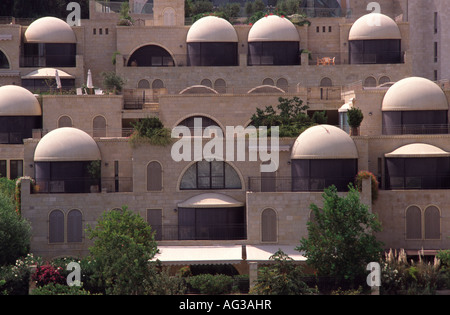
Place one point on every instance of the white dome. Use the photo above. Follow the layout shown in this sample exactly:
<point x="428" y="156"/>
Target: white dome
<point x="211" y="29"/>
<point x="273" y="28"/>
<point x="18" y="101"/>
<point x="374" y="26"/>
<point x="413" y="94"/>
<point x="49" y="30"/>
<point x="66" y="144"/>
<point x="417" y="150"/>
<point x="324" y="142"/>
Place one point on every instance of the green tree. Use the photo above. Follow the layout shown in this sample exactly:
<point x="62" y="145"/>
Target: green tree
<point x="15" y="232"/>
<point x="341" y="240"/>
<point x="290" y="116"/>
<point x="123" y="245"/>
<point x="283" y="277"/>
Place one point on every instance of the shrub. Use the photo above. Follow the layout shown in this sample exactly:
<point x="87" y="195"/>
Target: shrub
<point x="59" y="289"/>
<point x="211" y="284"/>
<point x="366" y="174"/>
<point x="150" y="130"/>
<point x="46" y="274"/>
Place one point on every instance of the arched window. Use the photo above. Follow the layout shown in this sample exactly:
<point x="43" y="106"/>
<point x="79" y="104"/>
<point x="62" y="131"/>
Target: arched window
<point x="210" y="175"/>
<point x="384" y="79"/>
<point x="370" y="82"/>
<point x="143" y="84"/>
<point x="4" y="63"/>
<point x="154" y="176"/>
<point x="157" y="84"/>
<point x="151" y="56"/>
<point x="205" y="122"/>
<point x="64" y="121"/>
<point x="282" y="83"/>
<point x="56" y="227"/>
<point x="74" y="226"/>
<point x="432" y="218"/>
<point x="326" y="82"/>
<point x="99" y="126"/>
<point x="268" y="226"/>
<point x="220" y="86"/>
<point x="268" y="81"/>
<point x="413" y="223"/>
<point x="169" y="17"/>
<point x="206" y="82"/>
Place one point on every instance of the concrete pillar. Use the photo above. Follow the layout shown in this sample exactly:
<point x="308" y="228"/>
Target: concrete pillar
<point x="253" y="273"/>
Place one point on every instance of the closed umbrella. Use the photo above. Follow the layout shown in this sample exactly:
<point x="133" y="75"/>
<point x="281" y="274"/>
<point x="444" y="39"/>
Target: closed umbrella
<point x="58" y="81"/>
<point x="89" y="84"/>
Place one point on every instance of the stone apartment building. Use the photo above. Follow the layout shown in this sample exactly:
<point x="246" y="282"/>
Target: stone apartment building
<point x="228" y="211"/>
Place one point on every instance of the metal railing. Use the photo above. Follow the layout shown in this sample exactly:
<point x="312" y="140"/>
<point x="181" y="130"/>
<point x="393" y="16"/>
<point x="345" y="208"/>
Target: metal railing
<point x="417" y="182"/>
<point x="296" y="184"/>
<point x="196" y="232"/>
<point x="418" y="129"/>
<point x="84" y="185"/>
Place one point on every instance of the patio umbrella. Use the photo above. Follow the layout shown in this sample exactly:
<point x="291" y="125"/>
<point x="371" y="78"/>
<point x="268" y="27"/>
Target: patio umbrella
<point x="89" y="80"/>
<point x="58" y="80"/>
<point x="89" y="84"/>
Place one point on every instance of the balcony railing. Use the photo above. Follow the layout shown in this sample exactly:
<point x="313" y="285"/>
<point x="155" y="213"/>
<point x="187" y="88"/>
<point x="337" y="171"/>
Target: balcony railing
<point x="416" y="129"/>
<point x="418" y="182"/>
<point x="203" y="232"/>
<point x="84" y="185"/>
<point x="290" y="184"/>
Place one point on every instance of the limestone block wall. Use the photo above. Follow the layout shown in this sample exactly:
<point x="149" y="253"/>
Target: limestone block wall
<point x="391" y="209"/>
<point x="82" y="110"/>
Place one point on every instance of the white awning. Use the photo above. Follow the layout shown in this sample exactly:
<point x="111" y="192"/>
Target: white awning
<point x="262" y="253"/>
<point x="211" y="200"/>
<point x="199" y="255"/>
<point x="47" y="73"/>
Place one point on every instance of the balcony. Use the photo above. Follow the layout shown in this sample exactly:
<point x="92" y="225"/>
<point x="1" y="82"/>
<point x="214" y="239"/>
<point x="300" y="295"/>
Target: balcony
<point x="200" y="232"/>
<point x="299" y="184"/>
<point x="83" y="185"/>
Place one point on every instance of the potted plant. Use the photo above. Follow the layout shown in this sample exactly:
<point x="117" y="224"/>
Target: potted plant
<point x="94" y="170"/>
<point x="355" y="117"/>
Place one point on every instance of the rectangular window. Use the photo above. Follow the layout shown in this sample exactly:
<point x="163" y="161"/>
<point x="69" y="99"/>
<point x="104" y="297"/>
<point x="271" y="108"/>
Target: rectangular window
<point x="324" y="29"/>
<point x="3" y="168"/>
<point x="15" y="169"/>
<point x="106" y="31"/>
<point x="154" y="219"/>
<point x="435" y="52"/>
<point x="94" y="31"/>
<point x="329" y="29"/>
<point x="435" y="22"/>
<point x="100" y="31"/>
<point x="317" y="29"/>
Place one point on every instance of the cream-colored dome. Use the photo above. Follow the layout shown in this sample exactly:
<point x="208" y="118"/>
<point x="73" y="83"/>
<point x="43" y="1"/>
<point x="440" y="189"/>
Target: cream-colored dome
<point x="18" y="101"/>
<point x="414" y="94"/>
<point x="273" y="28"/>
<point x="210" y="200"/>
<point x="374" y="26"/>
<point x="49" y="30"/>
<point x="324" y="142"/>
<point x="66" y="145"/>
<point x="417" y="150"/>
<point x="211" y="29"/>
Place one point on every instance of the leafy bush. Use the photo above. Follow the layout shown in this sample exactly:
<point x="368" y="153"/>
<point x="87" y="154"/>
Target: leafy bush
<point x="150" y="130"/>
<point x="59" y="289"/>
<point x="46" y="274"/>
<point x="283" y="277"/>
<point x="15" y="232"/>
<point x="211" y="284"/>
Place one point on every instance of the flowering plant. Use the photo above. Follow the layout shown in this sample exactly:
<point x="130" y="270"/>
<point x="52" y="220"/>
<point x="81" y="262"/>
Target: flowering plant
<point x="46" y="274"/>
<point x="366" y="174"/>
